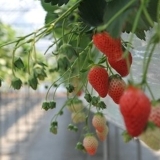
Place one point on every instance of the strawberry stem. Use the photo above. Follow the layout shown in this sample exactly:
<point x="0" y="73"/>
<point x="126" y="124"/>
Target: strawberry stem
<point x="150" y="91"/>
<point x="146" y="65"/>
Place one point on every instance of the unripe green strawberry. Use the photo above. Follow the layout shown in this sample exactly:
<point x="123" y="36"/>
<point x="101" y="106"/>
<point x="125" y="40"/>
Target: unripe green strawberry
<point x="98" y="78"/>
<point x="77" y="83"/>
<point x="116" y="87"/>
<point x="151" y="137"/>
<point x="108" y="45"/>
<point x="99" y="122"/>
<point x="75" y="105"/>
<point x="122" y="66"/>
<point x="135" y="108"/>
<point x="78" y="117"/>
<point x="102" y="135"/>
<point x="90" y="144"/>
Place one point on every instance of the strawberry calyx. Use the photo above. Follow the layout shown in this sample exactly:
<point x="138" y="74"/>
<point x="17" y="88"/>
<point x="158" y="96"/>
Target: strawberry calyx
<point x="80" y="146"/>
<point x="126" y="137"/>
<point x="89" y="134"/>
<point x="133" y="86"/>
<point x="117" y="76"/>
<point x="99" y="114"/>
<point x="150" y="125"/>
<point x="155" y="103"/>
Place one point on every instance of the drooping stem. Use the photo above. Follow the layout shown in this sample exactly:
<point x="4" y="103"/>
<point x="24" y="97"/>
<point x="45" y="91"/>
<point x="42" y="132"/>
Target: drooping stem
<point x="46" y="28"/>
<point x="13" y="56"/>
<point x="145" y="71"/>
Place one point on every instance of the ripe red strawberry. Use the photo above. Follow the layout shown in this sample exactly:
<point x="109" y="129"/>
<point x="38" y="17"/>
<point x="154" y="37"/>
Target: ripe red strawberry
<point x="90" y="144"/>
<point x="99" y="122"/>
<point x="155" y="115"/>
<point x="102" y="135"/>
<point x="108" y="45"/>
<point x="122" y="66"/>
<point x="135" y="107"/>
<point x="98" y="78"/>
<point x="116" y="87"/>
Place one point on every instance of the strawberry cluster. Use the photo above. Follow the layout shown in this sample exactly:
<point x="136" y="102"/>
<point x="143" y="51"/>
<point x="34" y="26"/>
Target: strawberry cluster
<point x="118" y="59"/>
<point x="75" y="106"/>
<point x="90" y="141"/>
<point x="114" y="51"/>
<point x="107" y="79"/>
<point x="134" y="104"/>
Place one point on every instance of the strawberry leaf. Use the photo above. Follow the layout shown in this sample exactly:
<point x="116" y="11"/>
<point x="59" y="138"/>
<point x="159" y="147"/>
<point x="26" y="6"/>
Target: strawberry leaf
<point x="57" y="2"/>
<point x="47" y="6"/>
<point x="125" y="21"/>
<point x="92" y="11"/>
<point x="152" y="9"/>
<point x="126" y="137"/>
<point x="111" y="9"/>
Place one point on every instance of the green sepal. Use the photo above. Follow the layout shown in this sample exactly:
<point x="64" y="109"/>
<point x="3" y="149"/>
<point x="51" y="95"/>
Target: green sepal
<point x="95" y="100"/>
<point x="45" y="106"/>
<point x="88" y="98"/>
<point x="52" y="104"/>
<point x="16" y="83"/>
<point x="101" y="105"/>
<point x="33" y="82"/>
<point x="68" y="50"/>
<point x="53" y="129"/>
<point x="18" y="63"/>
<point x="126" y="136"/>
<point x="80" y="146"/>
<point x="70" y="88"/>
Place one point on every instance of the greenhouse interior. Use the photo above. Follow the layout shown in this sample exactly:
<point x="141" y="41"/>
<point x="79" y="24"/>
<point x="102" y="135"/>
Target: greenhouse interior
<point x="79" y="79"/>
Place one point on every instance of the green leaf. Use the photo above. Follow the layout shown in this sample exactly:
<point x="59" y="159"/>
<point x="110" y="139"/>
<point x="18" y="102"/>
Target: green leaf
<point x="40" y="73"/>
<point x="70" y="127"/>
<point x="54" y="123"/>
<point x="84" y="70"/>
<point x="68" y="50"/>
<point x="52" y="104"/>
<point x="33" y="82"/>
<point x="95" y="100"/>
<point x="47" y="6"/>
<point x="53" y="129"/>
<point x="92" y="11"/>
<point x="88" y="98"/>
<point x="57" y="2"/>
<point x="116" y="26"/>
<point x="47" y="1"/>
<point x="101" y="105"/>
<point x="109" y="0"/>
<point x="63" y="64"/>
<point x="152" y="9"/>
<point x="16" y="83"/>
<point x="50" y="17"/>
<point x="70" y="88"/>
<point x="18" y="63"/>
<point x="102" y="60"/>
<point x="142" y="25"/>
<point x="80" y="146"/>
<point x="42" y="64"/>
<point x="45" y="105"/>
<point x="126" y="136"/>
<point x="124" y="22"/>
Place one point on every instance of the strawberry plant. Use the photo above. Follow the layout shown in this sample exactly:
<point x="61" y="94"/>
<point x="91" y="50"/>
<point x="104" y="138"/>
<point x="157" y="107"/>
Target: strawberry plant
<point x="87" y="49"/>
